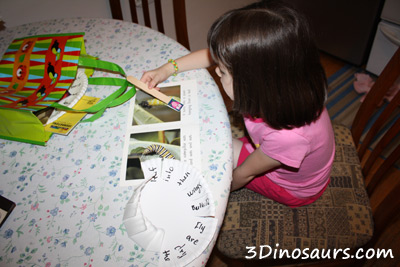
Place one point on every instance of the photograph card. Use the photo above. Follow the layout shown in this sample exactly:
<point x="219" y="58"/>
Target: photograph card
<point x="157" y="130"/>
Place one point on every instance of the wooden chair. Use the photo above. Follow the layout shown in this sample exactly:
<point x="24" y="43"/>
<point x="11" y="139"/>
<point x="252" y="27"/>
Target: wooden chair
<point x="179" y="17"/>
<point x="359" y="209"/>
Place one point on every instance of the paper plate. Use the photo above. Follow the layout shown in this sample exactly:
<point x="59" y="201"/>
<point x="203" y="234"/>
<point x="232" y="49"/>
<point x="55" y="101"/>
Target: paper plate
<point x="172" y="212"/>
<point x="76" y="91"/>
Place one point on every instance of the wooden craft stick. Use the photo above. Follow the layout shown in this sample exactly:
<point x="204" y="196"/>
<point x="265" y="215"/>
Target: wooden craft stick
<point x="172" y="103"/>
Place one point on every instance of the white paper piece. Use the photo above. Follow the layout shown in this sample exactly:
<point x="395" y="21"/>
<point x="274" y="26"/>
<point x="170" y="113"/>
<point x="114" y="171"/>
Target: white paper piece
<point x="152" y="169"/>
<point x="195" y="233"/>
<point x="150" y="239"/>
<point x="176" y="210"/>
<point x="135" y="225"/>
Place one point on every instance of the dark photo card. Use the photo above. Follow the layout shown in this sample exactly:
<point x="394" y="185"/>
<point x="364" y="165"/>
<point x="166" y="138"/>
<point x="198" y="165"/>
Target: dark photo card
<point x="6" y="206"/>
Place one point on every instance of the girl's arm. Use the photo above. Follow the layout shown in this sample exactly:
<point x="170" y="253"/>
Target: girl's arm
<point x="256" y="163"/>
<point x="195" y="60"/>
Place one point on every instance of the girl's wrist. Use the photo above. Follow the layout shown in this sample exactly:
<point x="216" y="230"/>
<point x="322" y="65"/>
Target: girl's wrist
<point x="175" y="66"/>
<point x="169" y="69"/>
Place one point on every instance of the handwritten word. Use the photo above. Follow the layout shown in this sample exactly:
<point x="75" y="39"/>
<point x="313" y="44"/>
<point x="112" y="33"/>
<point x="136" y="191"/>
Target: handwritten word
<point x="195" y="189"/>
<point x="169" y="171"/>
<point x="201" y="205"/>
<point x="192" y="239"/>
<point x="181" y="251"/>
<point x="200" y="226"/>
<point x="166" y="255"/>
<point x="182" y="180"/>
<point x="155" y="176"/>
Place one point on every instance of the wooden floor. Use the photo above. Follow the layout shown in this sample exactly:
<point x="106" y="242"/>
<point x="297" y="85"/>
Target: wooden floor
<point x="331" y="64"/>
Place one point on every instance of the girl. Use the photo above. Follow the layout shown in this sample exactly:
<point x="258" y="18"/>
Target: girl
<point x="269" y="65"/>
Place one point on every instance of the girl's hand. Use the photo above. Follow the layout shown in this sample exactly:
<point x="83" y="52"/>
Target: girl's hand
<point x="153" y="77"/>
<point x="195" y="60"/>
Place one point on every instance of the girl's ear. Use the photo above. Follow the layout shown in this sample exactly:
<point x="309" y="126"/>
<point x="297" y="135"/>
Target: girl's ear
<point x="218" y="71"/>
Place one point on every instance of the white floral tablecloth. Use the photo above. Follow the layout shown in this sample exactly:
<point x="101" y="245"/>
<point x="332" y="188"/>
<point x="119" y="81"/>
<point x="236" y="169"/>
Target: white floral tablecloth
<point x="69" y="202"/>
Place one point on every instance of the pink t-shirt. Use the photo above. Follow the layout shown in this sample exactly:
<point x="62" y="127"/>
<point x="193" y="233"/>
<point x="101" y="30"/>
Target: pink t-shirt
<point x="307" y="153"/>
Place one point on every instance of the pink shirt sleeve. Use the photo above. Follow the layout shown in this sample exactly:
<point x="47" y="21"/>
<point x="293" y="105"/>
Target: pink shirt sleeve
<point x="285" y="146"/>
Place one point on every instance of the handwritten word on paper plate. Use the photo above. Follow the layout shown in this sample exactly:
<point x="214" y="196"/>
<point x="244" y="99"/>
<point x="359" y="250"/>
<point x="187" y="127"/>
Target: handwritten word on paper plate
<point x="172" y="212"/>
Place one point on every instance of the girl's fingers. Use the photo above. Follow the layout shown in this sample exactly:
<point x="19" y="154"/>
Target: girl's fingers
<point x="147" y="79"/>
<point x="154" y="77"/>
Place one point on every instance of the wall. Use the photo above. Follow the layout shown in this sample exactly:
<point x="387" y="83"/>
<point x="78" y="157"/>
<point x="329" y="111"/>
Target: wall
<point x="17" y="12"/>
<point x="200" y="13"/>
<point x="343" y="28"/>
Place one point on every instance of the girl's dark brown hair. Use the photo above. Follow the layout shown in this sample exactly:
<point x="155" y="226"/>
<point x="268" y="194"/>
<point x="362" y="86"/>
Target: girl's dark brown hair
<point x="270" y="52"/>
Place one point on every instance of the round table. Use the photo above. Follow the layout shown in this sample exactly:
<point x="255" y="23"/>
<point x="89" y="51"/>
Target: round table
<point x="69" y="205"/>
